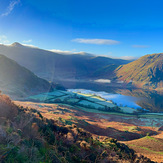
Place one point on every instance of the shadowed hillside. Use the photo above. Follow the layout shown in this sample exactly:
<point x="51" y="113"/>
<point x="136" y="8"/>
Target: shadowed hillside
<point x="19" y="81"/>
<point x="146" y="71"/>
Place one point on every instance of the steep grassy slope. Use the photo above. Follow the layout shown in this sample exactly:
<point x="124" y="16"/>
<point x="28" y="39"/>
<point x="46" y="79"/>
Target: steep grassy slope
<point x="17" y="80"/>
<point x="50" y="65"/>
<point x="147" y="70"/>
<point x="149" y="146"/>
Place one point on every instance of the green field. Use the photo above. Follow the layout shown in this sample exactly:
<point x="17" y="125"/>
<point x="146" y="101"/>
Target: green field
<point x="41" y="97"/>
<point x="55" y="93"/>
<point x="91" y="104"/>
<point x="128" y="109"/>
<point x="104" y="112"/>
<point x="79" y="99"/>
<point x="107" y="103"/>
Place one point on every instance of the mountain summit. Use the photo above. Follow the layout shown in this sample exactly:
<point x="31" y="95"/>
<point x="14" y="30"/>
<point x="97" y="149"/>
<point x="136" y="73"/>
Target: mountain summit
<point x="16" y="44"/>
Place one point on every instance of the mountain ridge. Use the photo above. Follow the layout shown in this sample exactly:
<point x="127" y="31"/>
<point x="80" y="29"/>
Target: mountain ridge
<point x="51" y="65"/>
<point x="146" y="71"/>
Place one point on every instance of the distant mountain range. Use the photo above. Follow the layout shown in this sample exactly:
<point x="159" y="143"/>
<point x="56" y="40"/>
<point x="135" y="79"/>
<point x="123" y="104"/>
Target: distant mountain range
<point x="53" y="66"/>
<point x="16" y="80"/>
<point x="147" y="71"/>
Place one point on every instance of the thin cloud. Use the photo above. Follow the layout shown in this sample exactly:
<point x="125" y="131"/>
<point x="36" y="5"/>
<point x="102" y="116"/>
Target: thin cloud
<point x="96" y="41"/>
<point x="103" y="81"/>
<point x="128" y="58"/>
<point x="61" y="51"/>
<point x="27" y="41"/>
<point x="122" y="57"/>
<point x="30" y="45"/>
<point x="3" y="39"/>
<point x="140" y="46"/>
<point x="114" y="57"/>
<point x="66" y="52"/>
<point x="10" y="7"/>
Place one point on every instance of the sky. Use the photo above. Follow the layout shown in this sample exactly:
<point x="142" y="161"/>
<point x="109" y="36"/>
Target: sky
<point x="116" y="28"/>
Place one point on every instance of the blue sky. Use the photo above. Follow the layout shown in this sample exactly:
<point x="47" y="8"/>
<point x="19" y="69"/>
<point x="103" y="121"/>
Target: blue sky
<point x="115" y="28"/>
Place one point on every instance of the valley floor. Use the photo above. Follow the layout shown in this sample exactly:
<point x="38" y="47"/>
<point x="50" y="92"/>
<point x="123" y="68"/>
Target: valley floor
<point x="141" y="133"/>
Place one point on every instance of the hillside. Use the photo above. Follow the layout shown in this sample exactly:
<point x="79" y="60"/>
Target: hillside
<point x="19" y="81"/>
<point x="58" y="66"/>
<point x="27" y="136"/>
<point x="146" y="71"/>
<point x="149" y="146"/>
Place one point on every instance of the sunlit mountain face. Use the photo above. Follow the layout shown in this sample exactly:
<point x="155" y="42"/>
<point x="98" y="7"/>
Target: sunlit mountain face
<point x="146" y="71"/>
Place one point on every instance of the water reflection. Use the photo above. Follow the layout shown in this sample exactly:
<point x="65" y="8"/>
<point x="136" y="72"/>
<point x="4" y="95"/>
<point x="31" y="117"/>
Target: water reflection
<point x="150" y="100"/>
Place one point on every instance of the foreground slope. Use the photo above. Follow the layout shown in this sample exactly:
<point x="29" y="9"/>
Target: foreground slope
<point x="53" y="66"/>
<point x="146" y="71"/>
<point x="27" y="136"/>
<point x="19" y="81"/>
<point x="103" y="125"/>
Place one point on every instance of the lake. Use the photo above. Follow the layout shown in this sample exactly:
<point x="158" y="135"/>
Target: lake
<point x="120" y="100"/>
<point x="146" y="99"/>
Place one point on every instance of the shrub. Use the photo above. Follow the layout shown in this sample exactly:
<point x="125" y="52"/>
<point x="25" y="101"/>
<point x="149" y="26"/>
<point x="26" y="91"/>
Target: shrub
<point x="7" y="107"/>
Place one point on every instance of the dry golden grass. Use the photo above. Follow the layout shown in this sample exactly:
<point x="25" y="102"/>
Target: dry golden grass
<point x="129" y="130"/>
<point x="150" y="147"/>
